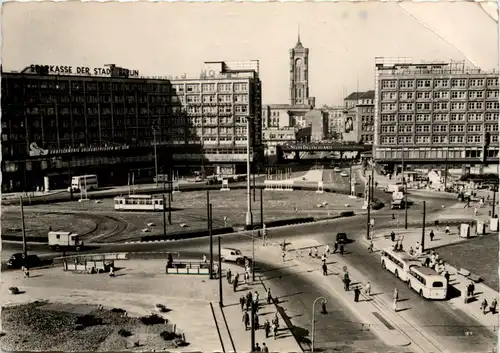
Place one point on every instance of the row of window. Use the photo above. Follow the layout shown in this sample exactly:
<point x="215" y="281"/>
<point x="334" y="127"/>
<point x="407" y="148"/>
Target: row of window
<point x="476" y="139"/>
<point x="439" y="128"/>
<point x="390" y="96"/>
<point x="433" y="153"/>
<point x="441" y="83"/>
<point x="392" y="107"/>
<point x="165" y="87"/>
<point x="391" y="118"/>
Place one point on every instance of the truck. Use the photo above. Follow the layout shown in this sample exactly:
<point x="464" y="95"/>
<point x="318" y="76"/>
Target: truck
<point x="64" y="240"/>
<point x="394" y="187"/>
<point x="398" y="203"/>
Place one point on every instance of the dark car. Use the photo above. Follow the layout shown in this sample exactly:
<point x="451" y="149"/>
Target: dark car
<point x="342" y="238"/>
<point x="17" y="261"/>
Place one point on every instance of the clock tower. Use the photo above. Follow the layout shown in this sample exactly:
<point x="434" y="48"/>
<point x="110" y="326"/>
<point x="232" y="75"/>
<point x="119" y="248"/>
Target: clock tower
<point x="299" y="74"/>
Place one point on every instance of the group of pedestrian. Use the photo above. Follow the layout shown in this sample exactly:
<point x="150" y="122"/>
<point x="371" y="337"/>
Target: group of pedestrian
<point x="258" y="348"/>
<point x="250" y="306"/>
<point x="493" y="306"/>
<point x="26" y="272"/>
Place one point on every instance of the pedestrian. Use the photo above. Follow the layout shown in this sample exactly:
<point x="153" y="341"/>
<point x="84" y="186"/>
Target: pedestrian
<point x="347" y="282"/>
<point x="265" y="349"/>
<point x="484" y="306"/>
<point x="341" y="249"/>
<point x="204" y="258"/>
<point x="411" y="251"/>
<point x="275" y="330"/>
<point x="242" y="303"/>
<point x="370" y="246"/>
<point x="368" y="289"/>
<point x="323" y="258"/>
<point x="269" y="296"/>
<point x="327" y="250"/>
<point x="310" y="252"/>
<point x="235" y="284"/>
<point x="325" y="270"/>
<point x="256" y="322"/>
<point x="431" y="235"/>
<point x="335" y="247"/>
<point x="267" y="328"/>
<point x="246" y="320"/>
<point x="395" y="305"/>
<point x="257" y="347"/>
<point x="417" y="248"/>
<point x="357" y="292"/>
<point x="472" y="288"/>
<point x="395" y="295"/>
<point x="229" y="276"/>
<point x="393" y="236"/>
<point x="283" y="254"/>
<point x="493" y="306"/>
<point x="275" y="320"/>
<point x="256" y="297"/>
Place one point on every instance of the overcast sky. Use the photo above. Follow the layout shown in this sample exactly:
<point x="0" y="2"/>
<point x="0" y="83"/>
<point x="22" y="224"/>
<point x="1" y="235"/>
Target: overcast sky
<point x="176" y="38"/>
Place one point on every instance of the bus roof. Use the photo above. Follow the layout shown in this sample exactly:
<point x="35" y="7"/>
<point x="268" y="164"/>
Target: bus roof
<point x="401" y="255"/>
<point x="425" y="271"/>
<point x="85" y="176"/>
<point x="137" y="197"/>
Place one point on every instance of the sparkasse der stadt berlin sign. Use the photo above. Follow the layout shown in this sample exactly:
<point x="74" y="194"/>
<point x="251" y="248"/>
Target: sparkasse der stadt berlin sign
<point x="81" y="70"/>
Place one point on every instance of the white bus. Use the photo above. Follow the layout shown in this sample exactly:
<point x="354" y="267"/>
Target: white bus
<point x="427" y="282"/>
<point x="138" y="203"/>
<point x="398" y="263"/>
<point x="84" y="182"/>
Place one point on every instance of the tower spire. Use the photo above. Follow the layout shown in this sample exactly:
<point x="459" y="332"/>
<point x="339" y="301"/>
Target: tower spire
<point x="298" y="33"/>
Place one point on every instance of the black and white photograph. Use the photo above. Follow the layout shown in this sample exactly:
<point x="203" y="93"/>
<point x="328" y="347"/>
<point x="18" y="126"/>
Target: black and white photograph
<point x="249" y="177"/>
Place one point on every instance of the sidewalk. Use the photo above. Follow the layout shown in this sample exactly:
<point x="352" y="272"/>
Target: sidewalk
<point x="411" y="236"/>
<point x="285" y="342"/>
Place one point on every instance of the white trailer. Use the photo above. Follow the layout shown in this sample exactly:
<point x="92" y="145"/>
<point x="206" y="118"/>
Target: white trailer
<point x="64" y="240"/>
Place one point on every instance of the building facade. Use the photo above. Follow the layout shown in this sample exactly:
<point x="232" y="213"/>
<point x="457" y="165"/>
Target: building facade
<point x="335" y="116"/>
<point x="59" y="124"/>
<point x="359" y="117"/>
<point x="274" y="136"/>
<point x="317" y="120"/>
<point x="435" y="111"/>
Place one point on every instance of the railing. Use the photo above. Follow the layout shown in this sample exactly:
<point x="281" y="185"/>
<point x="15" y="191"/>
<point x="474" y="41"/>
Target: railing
<point x="187" y="268"/>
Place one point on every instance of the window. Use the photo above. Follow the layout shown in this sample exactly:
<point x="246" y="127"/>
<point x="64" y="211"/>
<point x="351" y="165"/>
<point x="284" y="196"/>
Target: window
<point x="388" y="129"/>
<point x="458" y="95"/>
<point x="193" y="99"/>
<point x="405" y="128"/>
<point x="388" y="118"/>
<point x="491" y="116"/>
<point x="388" y="140"/>
<point x="491" y="127"/>
<point x="406" y="106"/>
<point x="423" y="118"/>
<point x="405" y="95"/>
<point x="474" y="128"/>
<point x="241" y="87"/>
<point x="473" y="138"/>
<point x="441" y="83"/>
<point x="440" y="94"/>
<point x="458" y="117"/>
<point x="492" y="105"/>
<point x="475" y="116"/>
<point x="438" y="139"/>
<point x="476" y="105"/>
<point x="476" y="94"/>
<point x="456" y="128"/>
<point x="492" y="82"/>
<point x="423" y="83"/>
<point x="458" y="82"/>
<point x="193" y="88"/>
<point x="406" y="84"/>
<point x="476" y="82"/>
<point x="440" y="106"/>
<point x="208" y="87"/>
<point x="388" y="96"/>
<point x="439" y="128"/>
<point x="405" y="118"/>
<point x="388" y="84"/>
<point x="405" y="139"/>
<point x="423" y="106"/>
<point x="440" y="117"/>
<point x="422" y="139"/>
<point x="388" y="107"/>
<point x="491" y="94"/>
<point x="457" y="106"/>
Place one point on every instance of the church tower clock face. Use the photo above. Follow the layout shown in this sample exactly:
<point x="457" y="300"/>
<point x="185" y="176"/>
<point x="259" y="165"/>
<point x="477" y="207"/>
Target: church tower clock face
<point x="298" y="70"/>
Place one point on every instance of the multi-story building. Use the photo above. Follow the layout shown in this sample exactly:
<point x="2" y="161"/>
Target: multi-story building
<point x="359" y="117"/>
<point x="435" y="111"/>
<point x="335" y="116"/>
<point x="317" y="120"/>
<point x="274" y="136"/>
<point x="57" y="124"/>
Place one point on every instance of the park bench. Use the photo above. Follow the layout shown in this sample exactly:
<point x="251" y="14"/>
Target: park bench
<point x="467" y="274"/>
<point x="463" y="272"/>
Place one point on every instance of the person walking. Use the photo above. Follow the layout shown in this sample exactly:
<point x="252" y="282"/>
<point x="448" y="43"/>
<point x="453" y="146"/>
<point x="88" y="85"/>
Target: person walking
<point x="257" y="347"/>
<point x="275" y="330"/>
<point x="341" y="249"/>
<point x="347" y="282"/>
<point x="395" y="295"/>
<point x="204" y="258"/>
<point x="395" y="305"/>
<point x="267" y="328"/>
<point x="484" y="306"/>
<point x="275" y="320"/>
<point x="242" y="303"/>
<point x="265" y="349"/>
<point x="256" y="297"/>
<point x="368" y="289"/>
<point x="431" y="235"/>
<point x="370" y="246"/>
<point x="269" y="296"/>
<point x="357" y="292"/>
<point x="235" y="283"/>
<point x="283" y="255"/>
<point x="325" y="270"/>
<point x="335" y="247"/>
<point x="493" y="306"/>
<point x="246" y="320"/>
<point x="229" y="276"/>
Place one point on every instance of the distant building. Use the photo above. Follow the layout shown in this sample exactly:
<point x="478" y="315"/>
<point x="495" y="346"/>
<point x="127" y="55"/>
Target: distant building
<point x="274" y="136"/>
<point x="60" y="120"/>
<point x="359" y="117"/>
<point x="435" y="111"/>
<point x="317" y="120"/>
<point x="282" y="116"/>
<point x="335" y="117"/>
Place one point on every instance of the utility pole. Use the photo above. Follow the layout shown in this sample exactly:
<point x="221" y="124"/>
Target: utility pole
<point x="164" y="217"/>
<point x="25" y="250"/>
<point x="350" y="175"/>
<point x="423" y="229"/>
<point x="252" y="332"/>
<point x="368" y="209"/>
<point x="373" y="183"/>
<point x="211" y="241"/>
<point x="170" y="209"/>
<point x="253" y="185"/>
<point x="253" y="257"/>
<point x="70" y="182"/>
<point x="494" y="201"/>
<point x="156" y="158"/>
<point x="262" y="211"/>
<point x="446" y="169"/>
<point x="406" y="209"/>
<point x="221" y="303"/>
<point x="248" y="219"/>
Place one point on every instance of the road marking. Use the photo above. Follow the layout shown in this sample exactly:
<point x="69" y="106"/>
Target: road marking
<point x="383" y="320"/>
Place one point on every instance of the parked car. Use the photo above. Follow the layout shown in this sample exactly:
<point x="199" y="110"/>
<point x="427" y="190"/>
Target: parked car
<point x="344" y="174"/>
<point x="17" y="261"/>
<point x="341" y="238"/>
<point x="231" y="255"/>
<point x="337" y="170"/>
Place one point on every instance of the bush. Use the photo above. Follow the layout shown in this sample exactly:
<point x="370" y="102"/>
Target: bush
<point x="118" y="311"/>
<point x="14" y="290"/>
<point x="153" y="319"/>
<point x="167" y="335"/>
<point x="124" y="333"/>
<point x="88" y="321"/>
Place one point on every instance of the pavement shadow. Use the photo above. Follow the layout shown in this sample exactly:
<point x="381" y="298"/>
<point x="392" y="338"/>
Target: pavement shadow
<point x="35" y="276"/>
<point x="402" y="309"/>
<point x="301" y="335"/>
<point x="403" y="300"/>
<point x="453" y="292"/>
<point x="278" y="269"/>
<point x="291" y="295"/>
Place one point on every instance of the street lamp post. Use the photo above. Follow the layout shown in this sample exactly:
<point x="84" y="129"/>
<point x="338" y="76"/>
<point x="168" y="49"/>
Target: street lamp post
<point x="156" y="157"/>
<point x="405" y="188"/>
<point x="25" y="249"/>
<point x="314" y="319"/>
<point x="368" y="207"/>
<point x="423" y="229"/>
<point x="248" y="220"/>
